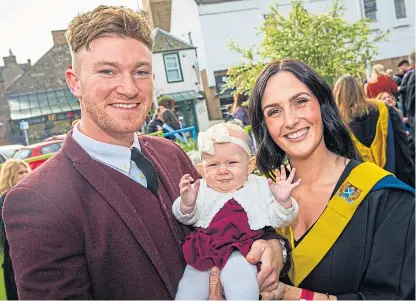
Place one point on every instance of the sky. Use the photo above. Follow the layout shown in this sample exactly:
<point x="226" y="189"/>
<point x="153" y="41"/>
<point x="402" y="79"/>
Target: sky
<point x="26" y="25"/>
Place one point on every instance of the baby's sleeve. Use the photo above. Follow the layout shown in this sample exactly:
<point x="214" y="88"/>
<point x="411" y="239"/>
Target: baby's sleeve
<point x="279" y="215"/>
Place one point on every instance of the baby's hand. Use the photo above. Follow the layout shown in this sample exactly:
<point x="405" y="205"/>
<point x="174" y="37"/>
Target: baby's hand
<point x="189" y="193"/>
<point x="283" y="188"/>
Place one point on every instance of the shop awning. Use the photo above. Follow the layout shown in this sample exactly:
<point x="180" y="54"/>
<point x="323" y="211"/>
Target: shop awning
<point x="35" y="104"/>
<point x="185" y="95"/>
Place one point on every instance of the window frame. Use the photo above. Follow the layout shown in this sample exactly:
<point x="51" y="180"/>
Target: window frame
<point x="395" y="10"/>
<point x="179" y="68"/>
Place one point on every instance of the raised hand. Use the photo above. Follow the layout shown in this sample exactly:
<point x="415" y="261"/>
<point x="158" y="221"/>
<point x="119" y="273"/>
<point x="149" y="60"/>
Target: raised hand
<point x="283" y="187"/>
<point x="188" y="193"/>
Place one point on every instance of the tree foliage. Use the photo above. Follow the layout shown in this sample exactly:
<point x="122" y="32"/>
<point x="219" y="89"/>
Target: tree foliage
<point x="326" y="41"/>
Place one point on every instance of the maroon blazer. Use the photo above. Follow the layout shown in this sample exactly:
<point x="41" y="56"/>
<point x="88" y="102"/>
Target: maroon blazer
<point x="74" y="234"/>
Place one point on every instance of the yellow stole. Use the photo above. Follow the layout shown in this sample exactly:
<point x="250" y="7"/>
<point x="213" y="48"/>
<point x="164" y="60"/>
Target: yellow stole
<point x="376" y="153"/>
<point x="329" y="226"/>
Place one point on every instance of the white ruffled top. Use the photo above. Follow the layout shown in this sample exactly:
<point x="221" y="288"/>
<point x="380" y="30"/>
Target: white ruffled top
<point x="255" y="197"/>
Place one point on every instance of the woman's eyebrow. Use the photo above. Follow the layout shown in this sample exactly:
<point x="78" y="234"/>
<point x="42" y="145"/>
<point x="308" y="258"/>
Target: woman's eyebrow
<point x="290" y="99"/>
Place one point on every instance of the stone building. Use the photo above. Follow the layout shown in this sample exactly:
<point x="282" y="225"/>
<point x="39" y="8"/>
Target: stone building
<point x="41" y="96"/>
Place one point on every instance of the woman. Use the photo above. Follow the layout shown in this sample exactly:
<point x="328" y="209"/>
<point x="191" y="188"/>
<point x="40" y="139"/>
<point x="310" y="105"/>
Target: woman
<point x="294" y="116"/>
<point x="379" y="82"/>
<point x="170" y="124"/>
<point x="390" y="100"/>
<point x="11" y="173"/>
<point x="240" y="112"/>
<point x="376" y="129"/>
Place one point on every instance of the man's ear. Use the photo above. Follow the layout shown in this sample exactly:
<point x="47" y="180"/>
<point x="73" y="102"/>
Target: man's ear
<point x="73" y="82"/>
<point x="251" y="164"/>
<point x="200" y="168"/>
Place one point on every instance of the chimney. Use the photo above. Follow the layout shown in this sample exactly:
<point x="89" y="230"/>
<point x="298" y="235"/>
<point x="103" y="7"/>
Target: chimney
<point x="10" y="60"/>
<point x="58" y="37"/>
<point x="29" y="62"/>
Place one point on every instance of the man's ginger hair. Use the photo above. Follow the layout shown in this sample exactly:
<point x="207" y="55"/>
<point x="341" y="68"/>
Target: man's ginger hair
<point x="108" y="20"/>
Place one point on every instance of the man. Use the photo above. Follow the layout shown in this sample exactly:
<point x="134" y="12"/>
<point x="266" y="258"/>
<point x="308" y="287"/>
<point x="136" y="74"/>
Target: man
<point x="407" y="91"/>
<point x="403" y="66"/>
<point x="95" y="221"/>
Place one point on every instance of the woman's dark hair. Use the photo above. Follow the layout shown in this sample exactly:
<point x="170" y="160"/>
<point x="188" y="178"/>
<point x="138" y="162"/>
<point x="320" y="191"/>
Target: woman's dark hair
<point x="336" y="135"/>
<point x="170" y="118"/>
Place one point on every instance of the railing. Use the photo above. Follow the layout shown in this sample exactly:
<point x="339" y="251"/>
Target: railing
<point x="191" y="129"/>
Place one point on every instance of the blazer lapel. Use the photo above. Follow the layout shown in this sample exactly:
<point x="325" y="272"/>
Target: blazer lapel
<point x="110" y="191"/>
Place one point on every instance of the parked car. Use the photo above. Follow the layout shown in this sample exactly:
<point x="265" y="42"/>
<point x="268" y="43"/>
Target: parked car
<point x="8" y="150"/>
<point x="3" y="159"/>
<point x="38" y="153"/>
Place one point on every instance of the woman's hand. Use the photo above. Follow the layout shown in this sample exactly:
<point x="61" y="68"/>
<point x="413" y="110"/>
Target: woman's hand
<point x="288" y="292"/>
<point x="269" y="254"/>
<point x="215" y="290"/>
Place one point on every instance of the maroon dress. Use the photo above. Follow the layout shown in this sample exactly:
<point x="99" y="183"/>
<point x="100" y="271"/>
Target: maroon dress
<point x="228" y="231"/>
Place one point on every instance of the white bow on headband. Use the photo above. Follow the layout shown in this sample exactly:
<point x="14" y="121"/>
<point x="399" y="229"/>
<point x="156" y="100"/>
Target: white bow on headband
<point x="206" y="141"/>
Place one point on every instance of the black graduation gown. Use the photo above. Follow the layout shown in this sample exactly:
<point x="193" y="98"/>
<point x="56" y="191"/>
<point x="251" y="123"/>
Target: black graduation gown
<point x="365" y="130"/>
<point x="374" y="257"/>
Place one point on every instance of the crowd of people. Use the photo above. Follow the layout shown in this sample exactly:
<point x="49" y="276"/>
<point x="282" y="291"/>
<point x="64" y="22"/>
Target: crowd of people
<point x="116" y="215"/>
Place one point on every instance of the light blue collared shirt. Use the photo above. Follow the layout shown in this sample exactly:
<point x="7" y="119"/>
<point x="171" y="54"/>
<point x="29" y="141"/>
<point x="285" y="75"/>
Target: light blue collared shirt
<point x="115" y="156"/>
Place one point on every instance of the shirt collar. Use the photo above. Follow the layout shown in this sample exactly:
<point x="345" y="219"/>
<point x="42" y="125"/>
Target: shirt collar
<point x="116" y="156"/>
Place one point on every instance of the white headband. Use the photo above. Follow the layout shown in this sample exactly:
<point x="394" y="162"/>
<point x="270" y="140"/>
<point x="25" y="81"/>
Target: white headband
<point x="206" y="141"/>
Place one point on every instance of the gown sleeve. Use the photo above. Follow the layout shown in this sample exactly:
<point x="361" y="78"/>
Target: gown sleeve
<point x="389" y="271"/>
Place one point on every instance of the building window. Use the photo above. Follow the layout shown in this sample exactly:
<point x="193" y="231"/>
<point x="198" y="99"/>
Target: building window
<point x="173" y="67"/>
<point x="400" y="8"/>
<point x="370" y="9"/>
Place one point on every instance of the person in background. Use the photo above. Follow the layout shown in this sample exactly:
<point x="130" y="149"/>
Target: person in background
<point x="228" y="114"/>
<point x="376" y="129"/>
<point x="240" y="112"/>
<point x="379" y="82"/>
<point x="407" y="92"/>
<point x="354" y="237"/>
<point x="397" y="79"/>
<point x="11" y="173"/>
<point x="170" y="124"/>
<point x="156" y="123"/>
<point x="391" y="101"/>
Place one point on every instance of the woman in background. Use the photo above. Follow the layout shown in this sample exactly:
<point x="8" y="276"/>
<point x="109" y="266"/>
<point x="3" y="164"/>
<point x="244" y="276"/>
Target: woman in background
<point x="170" y="124"/>
<point x="376" y="129"/>
<point x="239" y="111"/>
<point x="379" y="82"/>
<point x="11" y="173"/>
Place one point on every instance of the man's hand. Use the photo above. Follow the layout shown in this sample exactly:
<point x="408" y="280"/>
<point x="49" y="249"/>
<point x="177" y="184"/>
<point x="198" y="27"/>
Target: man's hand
<point x="269" y="254"/>
<point x="215" y="285"/>
<point x="188" y="193"/>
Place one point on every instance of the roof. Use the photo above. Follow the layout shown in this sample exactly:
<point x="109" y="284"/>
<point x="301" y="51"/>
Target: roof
<point x="164" y="42"/>
<point x="48" y="73"/>
<point x="199" y="2"/>
<point x="34" y="104"/>
<point x="185" y="95"/>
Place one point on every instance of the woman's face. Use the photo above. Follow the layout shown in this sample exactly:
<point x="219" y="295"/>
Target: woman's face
<point x="20" y="174"/>
<point x="292" y="115"/>
<point x="388" y="99"/>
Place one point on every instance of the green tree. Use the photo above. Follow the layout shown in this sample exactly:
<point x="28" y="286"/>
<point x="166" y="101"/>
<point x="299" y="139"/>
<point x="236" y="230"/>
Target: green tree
<point x="326" y="41"/>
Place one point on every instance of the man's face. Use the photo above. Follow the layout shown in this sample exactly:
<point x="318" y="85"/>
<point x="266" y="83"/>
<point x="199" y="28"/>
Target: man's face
<point x="403" y="68"/>
<point x="114" y="85"/>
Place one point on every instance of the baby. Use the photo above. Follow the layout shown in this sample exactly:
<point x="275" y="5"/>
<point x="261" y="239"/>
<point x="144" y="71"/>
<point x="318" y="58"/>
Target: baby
<point x="230" y="209"/>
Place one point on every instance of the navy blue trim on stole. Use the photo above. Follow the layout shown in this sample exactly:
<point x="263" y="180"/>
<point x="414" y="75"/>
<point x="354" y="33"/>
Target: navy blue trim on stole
<point x="392" y="182"/>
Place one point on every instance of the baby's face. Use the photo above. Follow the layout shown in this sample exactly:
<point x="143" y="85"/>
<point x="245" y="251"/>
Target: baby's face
<point x="228" y="169"/>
